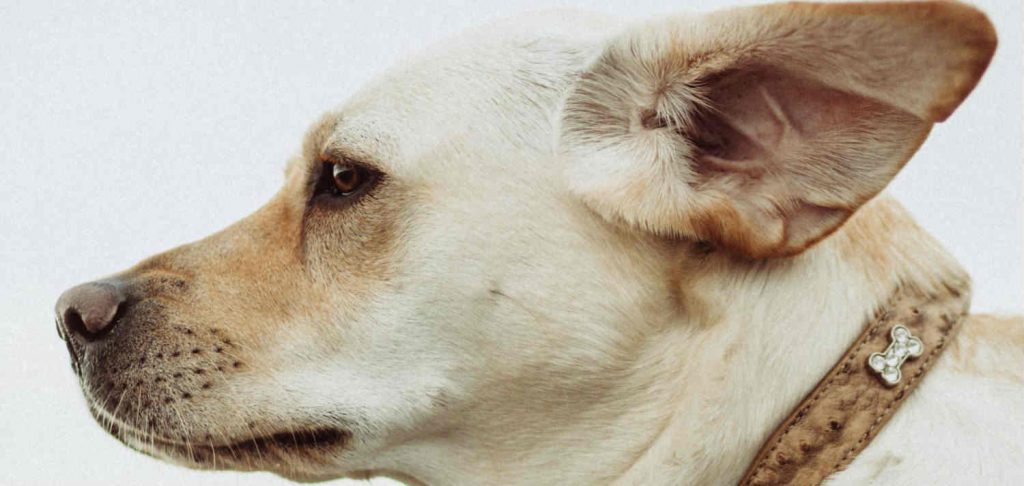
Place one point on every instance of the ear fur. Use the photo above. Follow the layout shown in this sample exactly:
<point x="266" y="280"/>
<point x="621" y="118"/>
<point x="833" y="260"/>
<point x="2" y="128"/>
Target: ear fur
<point x="763" y="129"/>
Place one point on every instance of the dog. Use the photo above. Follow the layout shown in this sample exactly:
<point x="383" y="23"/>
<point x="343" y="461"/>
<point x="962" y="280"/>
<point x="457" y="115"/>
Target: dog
<point x="563" y="250"/>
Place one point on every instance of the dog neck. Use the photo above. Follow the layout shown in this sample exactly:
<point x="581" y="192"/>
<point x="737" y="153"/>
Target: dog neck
<point x="706" y="388"/>
<point x="771" y="330"/>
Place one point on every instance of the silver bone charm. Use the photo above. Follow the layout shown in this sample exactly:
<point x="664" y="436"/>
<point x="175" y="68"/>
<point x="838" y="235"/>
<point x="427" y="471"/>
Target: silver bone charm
<point x="903" y="346"/>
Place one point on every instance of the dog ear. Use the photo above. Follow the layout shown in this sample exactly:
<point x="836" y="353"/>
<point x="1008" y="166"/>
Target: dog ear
<point x="761" y="130"/>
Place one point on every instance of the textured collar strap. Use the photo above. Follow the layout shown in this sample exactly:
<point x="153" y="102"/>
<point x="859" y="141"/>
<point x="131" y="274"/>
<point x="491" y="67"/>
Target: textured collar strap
<point x="858" y="396"/>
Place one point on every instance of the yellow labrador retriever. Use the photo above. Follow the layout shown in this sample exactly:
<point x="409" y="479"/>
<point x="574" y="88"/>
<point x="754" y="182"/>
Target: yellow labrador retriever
<point x="563" y="251"/>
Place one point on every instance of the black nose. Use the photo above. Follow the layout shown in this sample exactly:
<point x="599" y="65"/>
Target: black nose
<point x="89" y="310"/>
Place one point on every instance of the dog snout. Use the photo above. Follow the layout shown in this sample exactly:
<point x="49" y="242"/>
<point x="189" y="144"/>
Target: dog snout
<point x="90" y="310"/>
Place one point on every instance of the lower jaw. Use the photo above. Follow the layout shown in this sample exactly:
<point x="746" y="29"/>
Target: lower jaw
<point x="270" y="452"/>
<point x="291" y="454"/>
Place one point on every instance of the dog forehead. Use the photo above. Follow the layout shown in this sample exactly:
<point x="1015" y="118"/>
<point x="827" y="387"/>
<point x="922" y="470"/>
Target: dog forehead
<point x="492" y="88"/>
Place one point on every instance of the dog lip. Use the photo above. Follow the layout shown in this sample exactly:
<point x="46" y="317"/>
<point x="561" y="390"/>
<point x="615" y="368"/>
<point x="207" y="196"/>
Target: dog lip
<point x="320" y="437"/>
<point x="312" y="438"/>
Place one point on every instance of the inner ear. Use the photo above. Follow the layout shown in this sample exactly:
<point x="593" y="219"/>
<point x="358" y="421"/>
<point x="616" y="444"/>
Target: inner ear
<point x="733" y="124"/>
<point x="757" y="119"/>
<point x="794" y="156"/>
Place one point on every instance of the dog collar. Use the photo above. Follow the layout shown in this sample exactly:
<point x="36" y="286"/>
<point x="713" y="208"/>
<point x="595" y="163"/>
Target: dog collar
<point x="845" y="411"/>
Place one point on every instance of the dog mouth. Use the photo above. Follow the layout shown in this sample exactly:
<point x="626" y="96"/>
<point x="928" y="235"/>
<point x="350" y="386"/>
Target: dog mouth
<point x="286" y="452"/>
<point x="274" y="452"/>
<point x="299" y="440"/>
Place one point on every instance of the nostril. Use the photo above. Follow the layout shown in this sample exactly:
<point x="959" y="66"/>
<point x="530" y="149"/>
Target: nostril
<point x="73" y="322"/>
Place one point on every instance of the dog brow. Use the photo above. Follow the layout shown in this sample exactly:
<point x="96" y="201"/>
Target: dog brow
<point x="319" y="144"/>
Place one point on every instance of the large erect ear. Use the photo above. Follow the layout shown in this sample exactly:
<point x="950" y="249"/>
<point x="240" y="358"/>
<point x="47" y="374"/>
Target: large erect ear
<point x="762" y="129"/>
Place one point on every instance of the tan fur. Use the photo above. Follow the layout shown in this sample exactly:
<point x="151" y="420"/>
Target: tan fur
<point x="990" y="346"/>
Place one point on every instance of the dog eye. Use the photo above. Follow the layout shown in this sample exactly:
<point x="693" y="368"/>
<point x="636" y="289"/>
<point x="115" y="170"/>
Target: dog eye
<point x="348" y="178"/>
<point x="345" y="179"/>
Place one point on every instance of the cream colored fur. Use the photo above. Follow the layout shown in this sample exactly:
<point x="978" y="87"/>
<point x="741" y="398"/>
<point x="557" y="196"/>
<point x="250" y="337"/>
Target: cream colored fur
<point x="547" y="310"/>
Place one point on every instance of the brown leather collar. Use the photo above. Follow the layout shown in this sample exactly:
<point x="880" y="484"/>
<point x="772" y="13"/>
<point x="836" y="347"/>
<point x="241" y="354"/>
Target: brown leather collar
<point x="841" y="416"/>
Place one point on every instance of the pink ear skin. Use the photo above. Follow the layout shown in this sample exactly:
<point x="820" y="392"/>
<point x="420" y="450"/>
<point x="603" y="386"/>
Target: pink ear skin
<point x="762" y="129"/>
<point x="795" y="157"/>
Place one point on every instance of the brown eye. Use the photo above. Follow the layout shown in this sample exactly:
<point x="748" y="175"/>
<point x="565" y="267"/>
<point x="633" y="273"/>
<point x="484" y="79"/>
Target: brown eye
<point x="348" y="178"/>
<point x="343" y="181"/>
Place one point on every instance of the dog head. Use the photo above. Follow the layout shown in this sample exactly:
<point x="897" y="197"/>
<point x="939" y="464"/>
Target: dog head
<point x="473" y="249"/>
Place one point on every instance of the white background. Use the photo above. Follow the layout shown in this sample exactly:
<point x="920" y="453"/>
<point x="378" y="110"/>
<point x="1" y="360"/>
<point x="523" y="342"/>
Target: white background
<point x="130" y="128"/>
